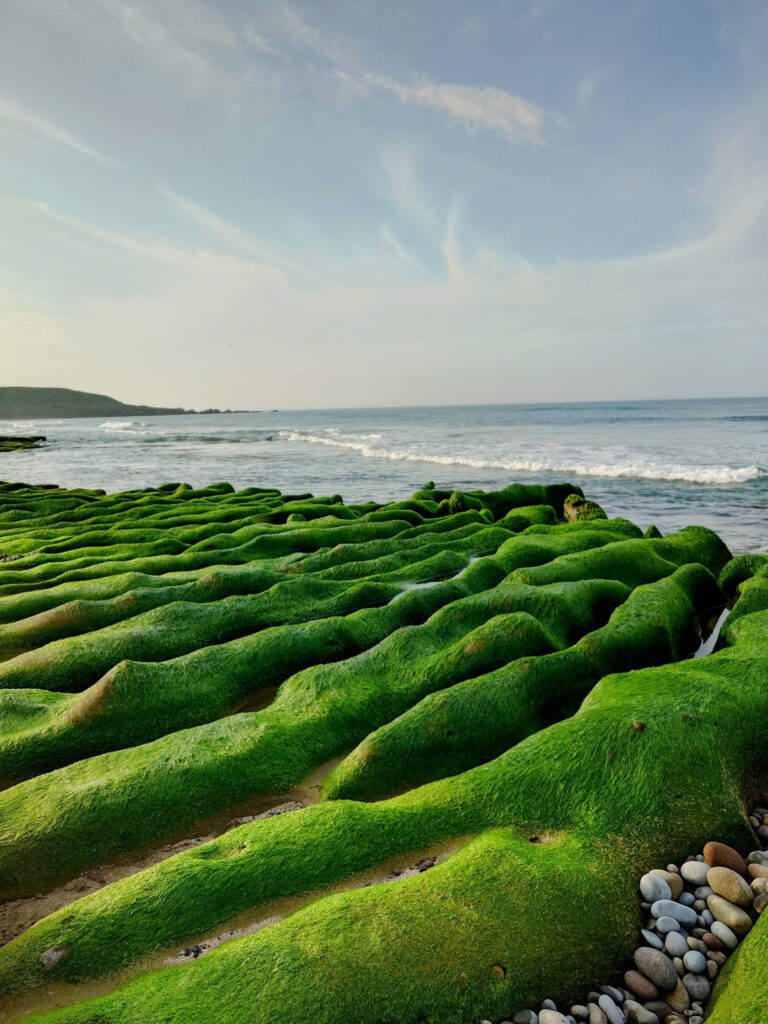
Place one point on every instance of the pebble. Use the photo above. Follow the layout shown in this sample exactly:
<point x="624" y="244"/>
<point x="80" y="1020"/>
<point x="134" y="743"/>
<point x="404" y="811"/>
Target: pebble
<point x="526" y="1017"/>
<point x="712" y="970"/>
<point x="670" y="908"/>
<point x="758" y="857"/>
<point x="674" y="882"/>
<point x="613" y="1014"/>
<point x="687" y="899"/>
<point x="718" y="957"/>
<point x="661" y="1010"/>
<point x="613" y="993"/>
<point x="695" y="962"/>
<point x="696" y="1019"/>
<point x="552" y="1017"/>
<point x="697" y="944"/>
<point x="730" y="886"/>
<point x="637" y="1014"/>
<point x="640" y="986"/>
<point x="711" y="941"/>
<point x="758" y="870"/>
<point x="656" y="967"/>
<point x="718" y="855"/>
<point x="579" y="1012"/>
<point x="724" y="933"/>
<point x="679" y="999"/>
<point x="728" y="914"/>
<point x="759" y="886"/>
<point x="651" y="939"/>
<point x="549" y="1004"/>
<point x="52" y="956"/>
<point x="761" y="902"/>
<point x="653" y="887"/>
<point x="665" y="925"/>
<point x="677" y="963"/>
<point x="596" y="1015"/>
<point x="702" y="892"/>
<point x="695" y="872"/>
<point x="676" y="944"/>
<point x="698" y="986"/>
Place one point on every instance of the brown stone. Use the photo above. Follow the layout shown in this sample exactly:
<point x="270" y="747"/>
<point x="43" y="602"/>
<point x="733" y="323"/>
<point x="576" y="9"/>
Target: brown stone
<point x="712" y="942"/>
<point x="679" y="1000"/>
<point x="730" y="886"/>
<point x="759" y="886"/>
<point x="731" y="916"/>
<point x="718" y="855"/>
<point x="757" y="870"/>
<point x="761" y="902"/>
<point x="640" y="986"/>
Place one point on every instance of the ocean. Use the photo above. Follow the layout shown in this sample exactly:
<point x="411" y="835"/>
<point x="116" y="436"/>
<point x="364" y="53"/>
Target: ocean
<point x="671" y="463"/>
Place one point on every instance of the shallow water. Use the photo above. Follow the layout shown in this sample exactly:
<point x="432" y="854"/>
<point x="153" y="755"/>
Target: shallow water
<point x="671" y="463"/>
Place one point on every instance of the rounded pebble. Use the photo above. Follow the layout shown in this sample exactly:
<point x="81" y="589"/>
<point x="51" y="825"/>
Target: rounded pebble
<point x="613" y="1014"/>
<point x="686" y="898"/>
<point x="613" y="993"/>
<point x="653" y="887"/>
<point x="640" y="986"/>
<point x="712" y="970"/>
<point x="719" y="855"/>
<point x="695" y="962"/>
<point x="675" y="944"/>
<point x="695" y="872"/>
<point x="728" y="914"/>
<point x="724" y="933"/>
<point x="579" y="1012"/>
<point x="637" y="1014"/>
<point x="758" y="870"/>
<point x="665" y="925"/>
<point x="760" y="903"/>
<point x="651" y="939"/>
<point x="732" y="887"/>
<point x="526" y="1017"/>
<point x="596" y="1015"/>
<point x="674" y="882"/>
<point x="657" y="967"/>
<point x="671" y="908"/>
<point x="698" y="986"/>
<point x="552" y="1017"/>
<point x="679" y="999"/>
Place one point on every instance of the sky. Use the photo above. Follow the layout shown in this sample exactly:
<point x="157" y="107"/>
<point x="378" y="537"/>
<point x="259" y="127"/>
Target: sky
<point x="285" y="204"/>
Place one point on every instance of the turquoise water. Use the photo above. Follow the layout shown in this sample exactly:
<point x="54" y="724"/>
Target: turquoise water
<point x="671" y="462"/>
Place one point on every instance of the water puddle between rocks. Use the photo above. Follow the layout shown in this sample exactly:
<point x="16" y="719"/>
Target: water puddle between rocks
<point x="709" y="643"/>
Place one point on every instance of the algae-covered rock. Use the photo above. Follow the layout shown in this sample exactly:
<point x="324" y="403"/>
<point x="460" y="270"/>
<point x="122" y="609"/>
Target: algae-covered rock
<point x="173" y="652"/>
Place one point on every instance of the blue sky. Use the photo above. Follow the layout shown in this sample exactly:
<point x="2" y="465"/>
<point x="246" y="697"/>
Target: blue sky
<point x="349" y="202"/>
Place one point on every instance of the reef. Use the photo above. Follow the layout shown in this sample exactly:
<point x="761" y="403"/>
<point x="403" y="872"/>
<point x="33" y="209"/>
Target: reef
<point x="16" y="443"/>
<point x="269" y="756"/>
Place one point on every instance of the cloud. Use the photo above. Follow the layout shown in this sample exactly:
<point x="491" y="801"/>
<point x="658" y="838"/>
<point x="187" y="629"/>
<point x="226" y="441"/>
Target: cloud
<point x="475" y="108"/>
<point x="18" y="115"/>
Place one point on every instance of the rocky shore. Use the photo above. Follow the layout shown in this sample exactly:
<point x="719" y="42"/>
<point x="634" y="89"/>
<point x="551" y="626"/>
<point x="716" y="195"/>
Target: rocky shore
<point x="16" y="443"/>
<point x="697" y="914"/>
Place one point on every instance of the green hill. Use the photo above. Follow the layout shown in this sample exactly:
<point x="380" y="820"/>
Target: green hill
<point x="58" y="403"/>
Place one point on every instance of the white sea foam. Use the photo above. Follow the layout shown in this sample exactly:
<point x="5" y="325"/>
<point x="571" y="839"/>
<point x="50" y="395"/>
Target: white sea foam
<point x="601" y="464"/>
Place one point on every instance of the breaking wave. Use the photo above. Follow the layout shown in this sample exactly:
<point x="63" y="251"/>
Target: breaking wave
<point x="599" y="465"/>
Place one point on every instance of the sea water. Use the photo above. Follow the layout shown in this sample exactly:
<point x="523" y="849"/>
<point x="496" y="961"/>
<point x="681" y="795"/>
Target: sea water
<point x="671" y="463"/>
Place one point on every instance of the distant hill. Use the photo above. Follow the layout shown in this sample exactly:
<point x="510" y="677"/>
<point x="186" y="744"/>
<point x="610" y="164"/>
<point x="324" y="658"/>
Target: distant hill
<point x="62" y="403"/>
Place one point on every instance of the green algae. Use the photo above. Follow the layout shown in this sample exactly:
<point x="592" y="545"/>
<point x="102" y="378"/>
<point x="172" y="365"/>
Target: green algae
<point x="554" y="829"/>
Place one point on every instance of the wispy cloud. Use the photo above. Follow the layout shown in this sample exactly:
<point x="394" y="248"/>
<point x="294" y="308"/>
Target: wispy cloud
<point x="475" y="108"/>
<point x="27" y="120"/>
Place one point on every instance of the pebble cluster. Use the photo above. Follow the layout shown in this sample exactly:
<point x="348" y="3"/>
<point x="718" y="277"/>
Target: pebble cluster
<point x="697" y="914"/>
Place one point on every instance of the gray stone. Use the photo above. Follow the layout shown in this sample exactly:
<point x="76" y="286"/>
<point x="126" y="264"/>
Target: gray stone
<point x="50" y="957"/>
<point x="637" y="1014"/>
<point x="614" y="993"/>
<point x="686" y="898"/>
<point x="702" y="892"/>
<point x="712" y="970"/>
<point x="671" y="908"/>
<point x="657" y="967"/>
<point x="665" y="925"/>
<point x="651" y="939"/>
<point x="579" y="1012"/>
<point x="654" y="887"/>
<point x="526" y="1017"/>
<point x="679" y="966"/>
<point x="698" y="986"/>
<point x="724" y="933"/>
<point x="676" y="944"/>
<point x="694" y="872"/>
<point x="549" y="1004"/>
<point x="552" y="1017"/>
<point x="695" y="962"/>
<point x="613" y="1014"/>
